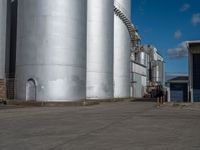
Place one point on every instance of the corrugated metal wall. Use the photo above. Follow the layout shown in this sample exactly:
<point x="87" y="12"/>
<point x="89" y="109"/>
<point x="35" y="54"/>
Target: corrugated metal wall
<point x="3" y="14"/>
<point x="179" y="92"/>
<point x="196" y="77"/>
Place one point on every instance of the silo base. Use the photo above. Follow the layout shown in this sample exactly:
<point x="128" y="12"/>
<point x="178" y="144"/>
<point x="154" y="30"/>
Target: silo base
<point x="50" y="104"/>
<point x="2" y="89"/>
<point x="19" y="103"/>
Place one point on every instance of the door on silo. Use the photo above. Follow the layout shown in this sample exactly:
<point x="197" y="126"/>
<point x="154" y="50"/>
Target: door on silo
<point x="31" y="90"/>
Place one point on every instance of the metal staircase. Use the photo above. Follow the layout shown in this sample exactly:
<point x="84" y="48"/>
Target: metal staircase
<point x="135" y="38"/>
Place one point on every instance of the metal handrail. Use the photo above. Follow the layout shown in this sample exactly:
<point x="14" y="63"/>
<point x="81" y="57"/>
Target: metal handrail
<point x="118" y="5"/>
<point x="131" y="28"/>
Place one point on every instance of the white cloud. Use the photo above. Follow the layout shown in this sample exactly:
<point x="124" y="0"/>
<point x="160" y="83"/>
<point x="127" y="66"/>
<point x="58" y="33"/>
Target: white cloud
<point x="179" y="52"/>
<point x="185" y="7"/>
<point x="196" y="19"/>
<point x="178" y="34"/>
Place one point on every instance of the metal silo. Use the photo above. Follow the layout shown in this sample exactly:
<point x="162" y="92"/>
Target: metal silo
<point x="124" y="6"/>
<point x="122" y="48"/>
<point x="100" y="23"/>
<point x="3" y="15"/>
<point x="161" y="72"/>
<point x="142" y="58"/>
<point x="51" y="50"/>
<point x="157" y="71"/>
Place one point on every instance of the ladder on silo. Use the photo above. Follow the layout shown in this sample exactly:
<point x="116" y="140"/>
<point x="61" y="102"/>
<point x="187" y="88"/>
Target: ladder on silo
<point x="135" y="38"/>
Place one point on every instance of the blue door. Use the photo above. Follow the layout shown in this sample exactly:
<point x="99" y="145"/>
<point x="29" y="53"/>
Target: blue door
<point x="179" y="92"/>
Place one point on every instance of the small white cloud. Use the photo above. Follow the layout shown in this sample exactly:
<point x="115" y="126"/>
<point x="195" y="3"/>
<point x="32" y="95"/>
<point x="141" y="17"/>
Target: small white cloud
<point x="179" y="52"/>
<point x="196" y="19"/>
<point x="185" y="7"/>
<point x="178" y="34"/>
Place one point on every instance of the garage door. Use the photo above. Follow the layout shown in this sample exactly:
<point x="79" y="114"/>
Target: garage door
<point x="179" y="92"/>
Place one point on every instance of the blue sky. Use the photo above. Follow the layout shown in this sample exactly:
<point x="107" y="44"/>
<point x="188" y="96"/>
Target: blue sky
<point x="167" y="24"/>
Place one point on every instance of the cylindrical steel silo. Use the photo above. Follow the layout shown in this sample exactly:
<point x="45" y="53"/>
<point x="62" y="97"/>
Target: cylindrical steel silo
<point x="142" y="58"/>
<point x="155" y="71"/>
<point x="122" y="48"/>
<point x="161" y="72"/>
<point x="124" y="6"/>
<point x="3" y="15"/>
<point x="51" y="50"/>
<point x="100" y="24"/>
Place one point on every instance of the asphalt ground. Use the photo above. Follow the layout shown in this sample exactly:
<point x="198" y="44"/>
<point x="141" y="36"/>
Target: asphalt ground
<point x="108" y="126"/>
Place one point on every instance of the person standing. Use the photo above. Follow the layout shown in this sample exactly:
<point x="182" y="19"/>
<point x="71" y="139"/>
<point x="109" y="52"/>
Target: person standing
<point x="160" y="95"/>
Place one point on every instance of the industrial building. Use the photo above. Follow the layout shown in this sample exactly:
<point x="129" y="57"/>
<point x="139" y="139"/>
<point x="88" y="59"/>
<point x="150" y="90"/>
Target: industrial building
<point x="178" y="89"/>
<point x="194" y="71"/>
<point x="151" y="70"/>
<point x="138" y="80"/>
<point x="60" y="51"/>
<point x="184" y="88"/>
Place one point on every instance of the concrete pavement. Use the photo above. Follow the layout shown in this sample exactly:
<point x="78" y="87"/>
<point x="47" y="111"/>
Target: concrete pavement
<point x="109" y="126"/>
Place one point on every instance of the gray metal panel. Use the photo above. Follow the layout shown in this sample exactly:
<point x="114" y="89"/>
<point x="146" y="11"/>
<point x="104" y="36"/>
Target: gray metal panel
<point x="142" y="58"/>
<point x="51" y="49"/>
<point x="158" y="72"/>
<point x="137" y="85"/>
<point x="122" y="47"/>
<point x="139" y="69"/>
<point x="161" y="72"/>
<point x="3" y="14"/>
<point x="154" y="73"/>
<point x="100" y="49"/>
<point x="176" y="96"/>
